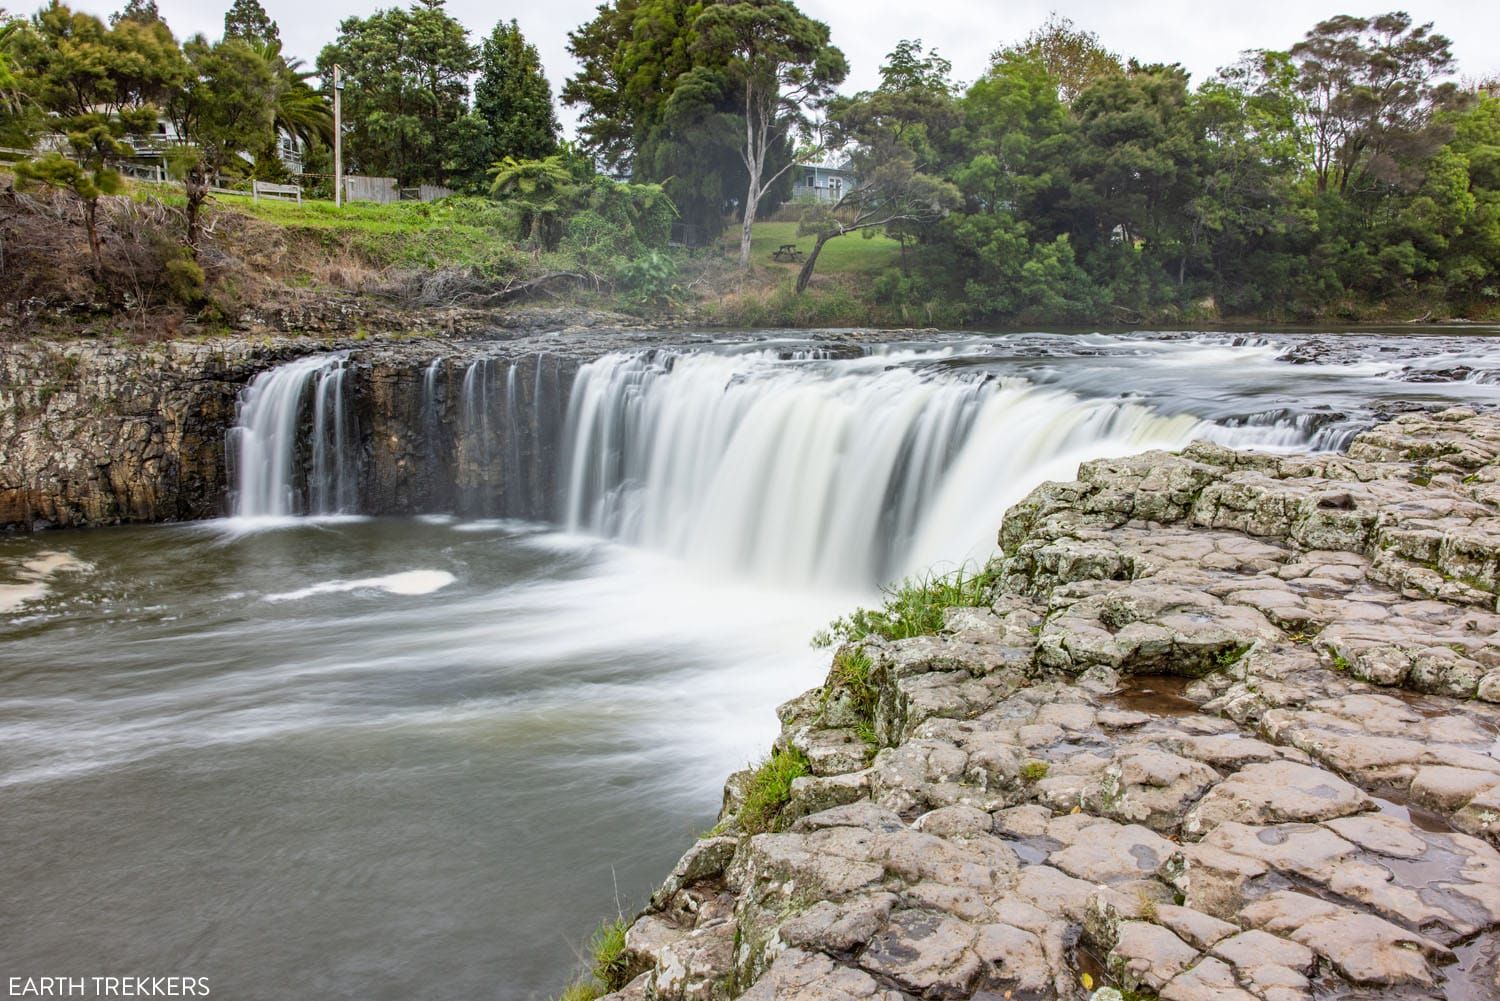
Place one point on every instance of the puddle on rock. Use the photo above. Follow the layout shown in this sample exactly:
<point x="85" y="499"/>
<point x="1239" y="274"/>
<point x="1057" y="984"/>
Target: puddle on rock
<point x="1476" y="975"/>
<point x="1156" y="694"/>
<point x="1423" y="819"/>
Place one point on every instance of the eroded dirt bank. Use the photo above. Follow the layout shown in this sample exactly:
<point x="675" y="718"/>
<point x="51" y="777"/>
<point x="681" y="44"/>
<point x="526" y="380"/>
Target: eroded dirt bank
<point x="1226" y="730"/>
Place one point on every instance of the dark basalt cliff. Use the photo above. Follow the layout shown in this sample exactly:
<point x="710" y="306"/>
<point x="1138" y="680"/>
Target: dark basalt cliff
<point x="95" y="433"/>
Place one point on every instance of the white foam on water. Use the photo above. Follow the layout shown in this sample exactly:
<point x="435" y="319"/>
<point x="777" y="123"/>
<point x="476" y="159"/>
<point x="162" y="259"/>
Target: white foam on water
<point x="31" y="577"/>
<point x="242" y="525"/>
<point x="410" y="582"/>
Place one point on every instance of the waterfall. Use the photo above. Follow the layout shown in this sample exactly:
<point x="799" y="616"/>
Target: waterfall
<point x="282" y="465"/>
<point x="849" y="473"/>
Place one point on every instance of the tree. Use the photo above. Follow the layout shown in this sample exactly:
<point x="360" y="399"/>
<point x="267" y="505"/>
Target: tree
<point x="889" y="132"/>
<point x="513" y="98"/>
<point x="13" y="100"/>
<point x="139" y="11"/>
<point x="96" y="86"/>
<point x="88" y="185"/>
<point x="226" y="107"/>
<point x="784" y="66"/>
<point x="914" y="106"/>
<point x="540" y="187"/>
<point x="1368" y="89"/>
<point x="891" y="191"/>
<point x="658" y="108"/>
<point x="1072" y="57"/>
<point x="1137" y="163"/>
<point x="298" y="110"/>
<point x="248" y="20"/>
<point x="407" y="74"/>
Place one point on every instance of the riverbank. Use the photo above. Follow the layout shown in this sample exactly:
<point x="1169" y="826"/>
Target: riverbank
<point x="458" y="266"/>
<point x="1217" y="725"/>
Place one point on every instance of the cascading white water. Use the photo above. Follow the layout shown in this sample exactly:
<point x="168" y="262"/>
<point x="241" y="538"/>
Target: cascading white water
<point x="275" y="471"/>
<point x="851" y="473"/>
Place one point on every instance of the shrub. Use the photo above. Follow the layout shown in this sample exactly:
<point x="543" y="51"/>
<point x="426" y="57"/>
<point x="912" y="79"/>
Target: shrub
<point x="650" y="279"/>
<point x="185" y="280"/>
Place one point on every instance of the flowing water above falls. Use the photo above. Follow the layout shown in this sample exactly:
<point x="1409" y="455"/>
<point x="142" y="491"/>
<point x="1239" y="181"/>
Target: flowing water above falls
<point x="421" y="757"/>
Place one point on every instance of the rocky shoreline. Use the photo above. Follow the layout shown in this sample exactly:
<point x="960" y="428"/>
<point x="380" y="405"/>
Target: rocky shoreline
<point x="1223" y="727"/>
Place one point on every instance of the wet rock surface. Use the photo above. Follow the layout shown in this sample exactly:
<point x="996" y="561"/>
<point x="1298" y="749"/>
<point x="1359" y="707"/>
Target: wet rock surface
<point x="1229" y="728"/>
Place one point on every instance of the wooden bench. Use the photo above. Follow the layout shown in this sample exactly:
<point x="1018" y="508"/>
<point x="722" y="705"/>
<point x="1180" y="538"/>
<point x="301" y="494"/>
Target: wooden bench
<point x="283" y="192"/>
<point x="787" y="252"/>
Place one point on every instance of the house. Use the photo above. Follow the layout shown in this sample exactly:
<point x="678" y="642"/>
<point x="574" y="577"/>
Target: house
<point x="150" y="161"/>
<point x="825" y="181"/>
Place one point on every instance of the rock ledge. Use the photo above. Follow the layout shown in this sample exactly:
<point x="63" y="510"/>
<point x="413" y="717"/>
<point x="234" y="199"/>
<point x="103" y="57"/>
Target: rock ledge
<point x="1226" y="732"/>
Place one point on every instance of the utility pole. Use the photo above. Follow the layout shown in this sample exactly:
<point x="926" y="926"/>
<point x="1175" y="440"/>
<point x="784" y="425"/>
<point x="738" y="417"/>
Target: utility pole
<point x="338" y="136"/>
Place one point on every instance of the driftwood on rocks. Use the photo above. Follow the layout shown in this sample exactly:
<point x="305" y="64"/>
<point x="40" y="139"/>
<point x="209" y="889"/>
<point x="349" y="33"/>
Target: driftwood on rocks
<point x="462" y="287"/>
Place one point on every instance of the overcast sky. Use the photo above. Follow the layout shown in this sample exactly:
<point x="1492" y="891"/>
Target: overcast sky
<point x="1201" y="35"/>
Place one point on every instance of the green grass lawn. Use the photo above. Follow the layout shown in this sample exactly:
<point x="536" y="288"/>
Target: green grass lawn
<point x="852" y="254"/>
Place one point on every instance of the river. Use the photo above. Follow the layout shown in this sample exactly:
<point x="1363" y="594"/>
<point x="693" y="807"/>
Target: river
<point x="322" y="754"/>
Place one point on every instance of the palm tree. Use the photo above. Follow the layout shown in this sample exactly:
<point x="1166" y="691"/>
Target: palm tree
<point x="539" y="186"/>
<point x="300" y="111"/>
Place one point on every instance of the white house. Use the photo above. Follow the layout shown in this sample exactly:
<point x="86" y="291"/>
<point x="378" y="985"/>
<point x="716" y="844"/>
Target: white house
<point x="150" y="162"/>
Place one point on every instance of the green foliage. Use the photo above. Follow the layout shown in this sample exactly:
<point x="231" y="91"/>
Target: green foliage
<point x="770" y="789"/>
<point x="248" y="20"/>
<point x="610" y="963"/>
<point x="94" y="85"/>
<point x="584" y="990"/>
<point x="914" y="607"/>
<point x="1073" y="58"/>
<point x="542" y="189"/>
<point x="649" y="279"/>
<point x="407" y="74"/>
<point x="185" y="280"/>
<point x="513" y="99"/>
<point x="666" y="109"/>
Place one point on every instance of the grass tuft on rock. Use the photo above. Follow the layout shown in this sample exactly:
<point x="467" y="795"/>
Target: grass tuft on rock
<point x="611" y="967"/>
<point x="849" y="680"/>
<point x="770" y="789"/>
<point x="914" y="607"/>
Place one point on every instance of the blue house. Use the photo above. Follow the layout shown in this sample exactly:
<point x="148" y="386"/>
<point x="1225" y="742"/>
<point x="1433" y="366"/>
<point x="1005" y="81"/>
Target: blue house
<point x="827" y="181"/>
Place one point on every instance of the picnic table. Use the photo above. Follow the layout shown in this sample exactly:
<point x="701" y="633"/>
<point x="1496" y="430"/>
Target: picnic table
<point x="787" y="252"/>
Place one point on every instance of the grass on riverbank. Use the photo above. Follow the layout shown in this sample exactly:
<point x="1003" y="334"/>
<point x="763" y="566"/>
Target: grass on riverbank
<point x="856" y="253"/>
<point x="609" y="965"/>
<point x="770" y="789"/>
<point x="914" y="607"/>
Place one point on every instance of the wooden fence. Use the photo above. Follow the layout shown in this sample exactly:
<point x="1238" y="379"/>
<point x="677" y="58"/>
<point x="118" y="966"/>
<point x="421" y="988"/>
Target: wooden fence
<point x="371" y="189"/>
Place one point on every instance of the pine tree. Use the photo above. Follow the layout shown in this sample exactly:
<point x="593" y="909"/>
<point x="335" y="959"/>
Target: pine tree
<point x="247" y="19"/>
<point x="513" y="97"/>
<point x="140" y="11"/>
